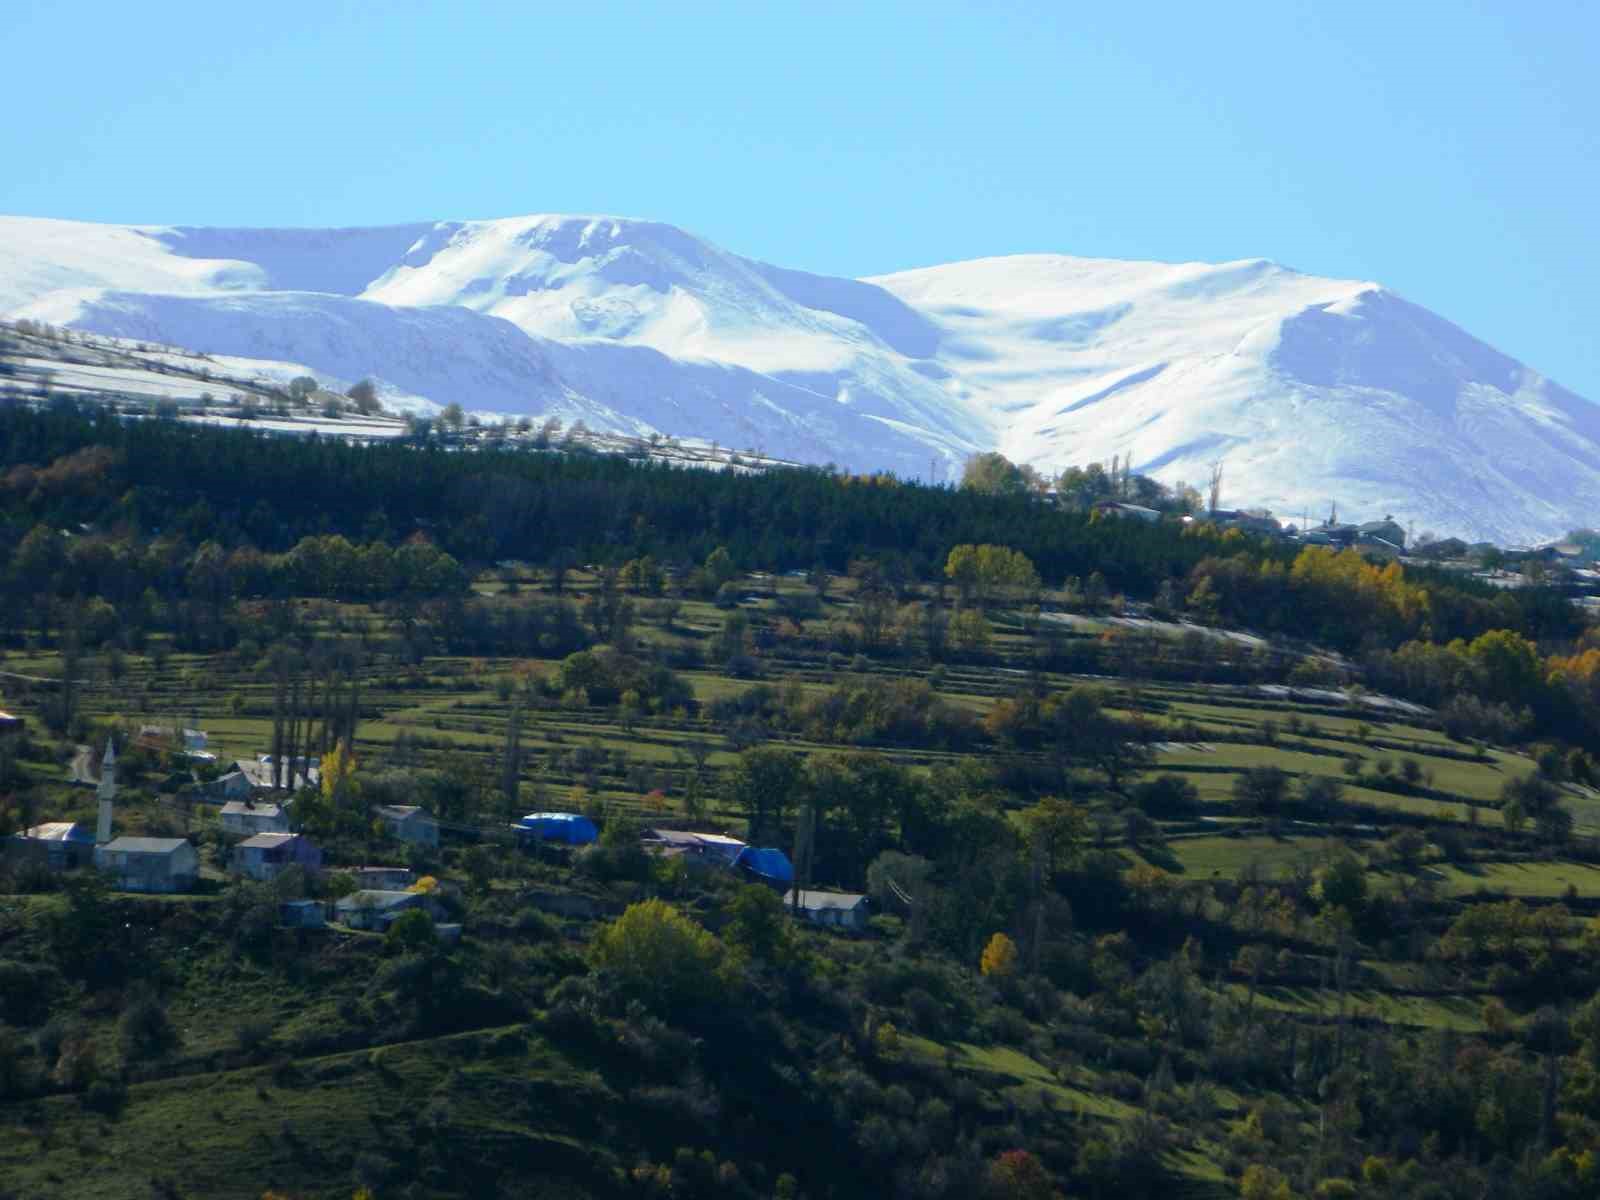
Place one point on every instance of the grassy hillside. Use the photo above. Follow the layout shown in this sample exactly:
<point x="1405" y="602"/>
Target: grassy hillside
<point x="1208" y="979"/>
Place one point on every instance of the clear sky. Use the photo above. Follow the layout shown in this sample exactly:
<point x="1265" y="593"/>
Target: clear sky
<point x="1450" y="151"/>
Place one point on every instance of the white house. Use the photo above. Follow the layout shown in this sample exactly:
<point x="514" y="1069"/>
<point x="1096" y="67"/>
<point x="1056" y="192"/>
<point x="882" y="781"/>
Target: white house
<point x="840" y="910"/>
<point x="246" y="818"/>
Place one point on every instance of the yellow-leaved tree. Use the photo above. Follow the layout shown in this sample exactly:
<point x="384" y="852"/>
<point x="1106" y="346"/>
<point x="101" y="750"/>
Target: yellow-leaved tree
<point x="338" y="767"/>
<point x="999" y="957"/>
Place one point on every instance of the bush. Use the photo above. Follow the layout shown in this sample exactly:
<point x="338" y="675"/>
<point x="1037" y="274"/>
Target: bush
<point x="1167" y="796"/>
<point x="411" y="933"/>
<point x="146" y="1030"/>
<point x="252" y="1035"/>
<point x="536" y="926"/>
<point x="106" y="1097"/>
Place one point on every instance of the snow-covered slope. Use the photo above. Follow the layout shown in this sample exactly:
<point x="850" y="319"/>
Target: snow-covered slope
<point x="1309" y="390"/>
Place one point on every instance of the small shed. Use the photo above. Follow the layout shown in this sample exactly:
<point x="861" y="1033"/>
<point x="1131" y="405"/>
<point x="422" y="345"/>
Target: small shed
<point x="56" y="846"/>
<point x="146" y="864"/>
<point x="572" y="828"/>
<point x="409" y="823"/>
<point x="248" y="818"/>
<point x="265" y="855"/>
<point x="839" y="910"/>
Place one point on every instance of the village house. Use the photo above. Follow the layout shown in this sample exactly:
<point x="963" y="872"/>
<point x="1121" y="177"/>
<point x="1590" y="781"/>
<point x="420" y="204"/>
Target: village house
<point x="1387" y="532"/>
<point x="378" y="910"/>
<point x="837" y="910"/>
<point x="56" y="846"/>
<point x="265" y="855"/>
<point x="408" y="823"/>
<point x="10" y="723"/>
<point x="235" y="785"/>
<point x="191" y="743"/>
<point x="383" y="879"/>
<point x="1330" y="534"/>
<point x="1260" y="521"/>
<point x="247" y="818"/>
<point x="1118" y="508"/>
<point x="262" y="774"/>
<point x="149" y="864"/>
<point x="696" y="849"/>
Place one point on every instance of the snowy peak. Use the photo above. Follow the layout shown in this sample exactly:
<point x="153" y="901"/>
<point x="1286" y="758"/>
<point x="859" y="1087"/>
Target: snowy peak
<point x="1311" y="390"/>
<point x="641" y="282"/>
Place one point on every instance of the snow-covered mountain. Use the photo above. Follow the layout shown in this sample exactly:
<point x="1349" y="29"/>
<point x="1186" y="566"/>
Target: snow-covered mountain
<point x="1309" y="390"/>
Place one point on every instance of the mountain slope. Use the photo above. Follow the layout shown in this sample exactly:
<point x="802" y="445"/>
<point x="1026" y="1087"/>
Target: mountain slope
<point x="1310" y="390"/>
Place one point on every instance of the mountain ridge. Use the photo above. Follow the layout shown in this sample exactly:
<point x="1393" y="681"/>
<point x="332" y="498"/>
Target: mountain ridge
<point x="1310" y="390"/>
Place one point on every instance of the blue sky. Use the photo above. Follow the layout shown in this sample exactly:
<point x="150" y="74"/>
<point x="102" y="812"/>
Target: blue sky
<point x="1451" y="152"/>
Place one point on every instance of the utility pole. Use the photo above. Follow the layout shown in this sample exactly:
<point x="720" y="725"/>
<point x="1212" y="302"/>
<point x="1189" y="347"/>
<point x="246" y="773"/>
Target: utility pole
<point x="511" y="765"/>
<point x="805" y="836"/>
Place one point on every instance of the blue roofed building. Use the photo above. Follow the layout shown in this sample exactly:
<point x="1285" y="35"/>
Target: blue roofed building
<point x="574" y="829"/>
<point x="766" y="865"/>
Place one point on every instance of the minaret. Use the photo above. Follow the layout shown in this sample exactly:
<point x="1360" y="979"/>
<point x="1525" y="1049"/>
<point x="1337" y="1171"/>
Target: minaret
<point x="107" y="791"/>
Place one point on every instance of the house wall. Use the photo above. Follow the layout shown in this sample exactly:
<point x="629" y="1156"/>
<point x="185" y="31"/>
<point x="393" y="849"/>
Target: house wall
<point x="416" y="829"/>
<point x="379" y="879"/>
<point x="254" y="864"/>
<point x="254" y="823"/>
<point x="51" y="855"/>
<point x="175" y="872"/>
<point x="264" y="865"/>
<point x="838" y="918"/>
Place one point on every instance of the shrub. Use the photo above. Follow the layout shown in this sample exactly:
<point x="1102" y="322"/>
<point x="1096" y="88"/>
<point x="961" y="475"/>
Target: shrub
<point x="146" y="1030"/>
<point x="106" y="1097"/>
<point x="411" y="933"/>
<point x="252" y="1035"/>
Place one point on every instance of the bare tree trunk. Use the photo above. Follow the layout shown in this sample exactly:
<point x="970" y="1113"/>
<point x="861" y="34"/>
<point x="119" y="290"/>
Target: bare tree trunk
<point x="355" y="705"/>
